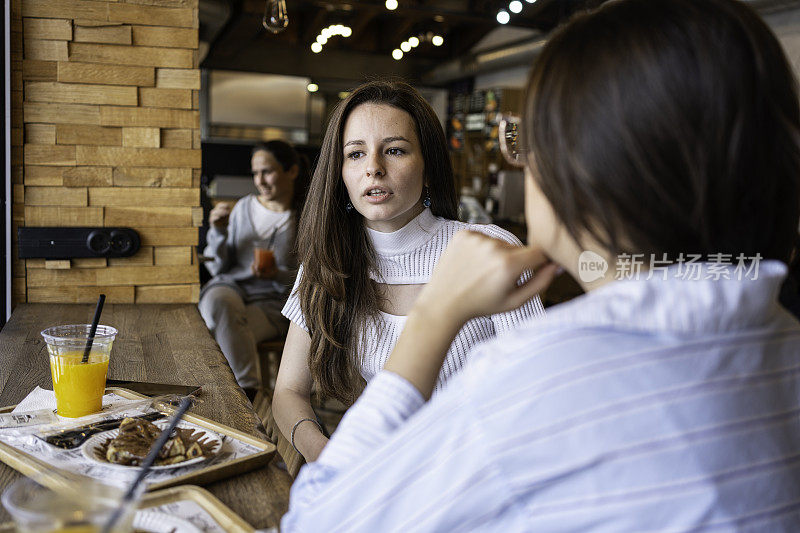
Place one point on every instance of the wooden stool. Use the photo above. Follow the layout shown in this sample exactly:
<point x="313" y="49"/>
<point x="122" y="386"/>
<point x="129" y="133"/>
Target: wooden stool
<point x="269" y="360"/>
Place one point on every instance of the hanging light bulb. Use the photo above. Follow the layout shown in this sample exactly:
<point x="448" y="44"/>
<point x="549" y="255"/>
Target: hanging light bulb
<point x="503" y="17"/>
<point x="413" y="41"/>
<point x="437" y="40"/>
<point x="347" y="31"/>
<point x="405" y="46"/>
<point x="515" y="6"/>
<point x="397" y="54"/>
<point x="275" y="17"/>
<point x="391" y="5"/>
<point x="312" y="87"/>
<point x="316" y="48"/>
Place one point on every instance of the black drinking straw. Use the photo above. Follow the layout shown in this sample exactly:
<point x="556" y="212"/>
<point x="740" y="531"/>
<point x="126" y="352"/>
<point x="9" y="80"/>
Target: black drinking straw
<point x="147" y="463"/>
<point x="97" y="310"/>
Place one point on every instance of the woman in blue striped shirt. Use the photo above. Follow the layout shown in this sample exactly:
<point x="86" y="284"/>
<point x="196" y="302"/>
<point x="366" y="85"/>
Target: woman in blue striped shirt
<point x="661" y="144"/>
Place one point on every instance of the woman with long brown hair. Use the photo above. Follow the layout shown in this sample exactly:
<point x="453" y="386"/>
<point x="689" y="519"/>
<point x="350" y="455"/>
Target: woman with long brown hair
<point x="381" y="208"/>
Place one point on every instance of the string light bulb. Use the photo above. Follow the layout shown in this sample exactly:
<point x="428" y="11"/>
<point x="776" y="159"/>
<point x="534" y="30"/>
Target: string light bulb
<point x="437" y="40"/>
<point x="391" y="5"/>
<point x="312" y="87"/>
<point x="413" y="41"/>
<point x="316" y="47"/>
<point x="405" y="46"/>
<point x="275" y="16"/>
<point x="397" y="54"/>
<point x="515" y="6"/>
<point x="503" y="17"/>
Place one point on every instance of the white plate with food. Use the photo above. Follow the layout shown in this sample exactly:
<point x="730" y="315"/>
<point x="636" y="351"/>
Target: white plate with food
<point x="128" y="445"/>
<point x="158" y="522"/>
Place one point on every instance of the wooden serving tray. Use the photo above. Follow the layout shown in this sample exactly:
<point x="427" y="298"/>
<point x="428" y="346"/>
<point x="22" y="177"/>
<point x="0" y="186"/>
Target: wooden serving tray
<point x="57" y="478"/>
<point x="226" y="519"/>
<point x="217" y="511"/>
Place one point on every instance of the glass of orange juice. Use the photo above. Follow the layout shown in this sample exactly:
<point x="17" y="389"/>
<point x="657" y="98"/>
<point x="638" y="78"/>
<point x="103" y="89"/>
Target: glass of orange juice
<point x="86" y="509"/>
<point x="78" y="384"/>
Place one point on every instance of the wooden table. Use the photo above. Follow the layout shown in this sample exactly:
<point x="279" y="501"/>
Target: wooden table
<point x="158" y="343"/>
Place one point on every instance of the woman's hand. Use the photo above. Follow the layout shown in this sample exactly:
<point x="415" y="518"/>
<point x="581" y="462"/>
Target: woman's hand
<point x="218" y="217"/>
<point x="475" y="276"/>
<point x="478" y="275"/>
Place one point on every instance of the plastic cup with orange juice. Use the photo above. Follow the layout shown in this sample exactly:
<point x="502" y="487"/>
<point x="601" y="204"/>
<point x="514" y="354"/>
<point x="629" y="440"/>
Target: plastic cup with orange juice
<point x="79" y="385"/>
<point x="264" y="259"/>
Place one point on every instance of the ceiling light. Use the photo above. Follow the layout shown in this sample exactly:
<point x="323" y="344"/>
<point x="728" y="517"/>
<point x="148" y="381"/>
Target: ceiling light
<point x="397" y="54"/>
<point x="391" y="5"/>
<point x="503" y="17"/>
<point x="312" y="87"/>
<point x="413" y="41"/>
<point x="437" y="40"/>
<point x="316" y="48"/>
<point x="347" y="31"/>
<point x="405" y="46"/>
<point x="530" y="1"/>
<point x="515" y="6"/>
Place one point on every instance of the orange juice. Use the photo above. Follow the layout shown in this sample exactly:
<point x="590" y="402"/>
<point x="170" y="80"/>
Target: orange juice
<point x="78" y="386"/>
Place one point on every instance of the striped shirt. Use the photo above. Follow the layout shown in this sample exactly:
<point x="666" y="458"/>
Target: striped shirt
<point x="649" y="405"/>
<point x="408" y="256"/>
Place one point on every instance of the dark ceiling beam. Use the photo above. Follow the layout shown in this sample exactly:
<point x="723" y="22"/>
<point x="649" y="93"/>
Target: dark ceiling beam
<point x="273" y="57"/>
<point x="457" y="12"/>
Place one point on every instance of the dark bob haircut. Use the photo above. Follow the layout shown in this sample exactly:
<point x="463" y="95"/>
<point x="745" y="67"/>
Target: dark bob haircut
<point x="668" y="126"/>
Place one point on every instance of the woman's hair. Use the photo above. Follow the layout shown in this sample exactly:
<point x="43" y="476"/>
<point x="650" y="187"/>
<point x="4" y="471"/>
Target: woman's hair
<point x="668" y="126"/>
<point x="287" y="157"/>
<point x="336" y="294"/>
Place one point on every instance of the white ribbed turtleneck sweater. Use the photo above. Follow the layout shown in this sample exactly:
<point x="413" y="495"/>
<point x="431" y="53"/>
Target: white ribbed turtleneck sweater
<point x="408" y="256"/>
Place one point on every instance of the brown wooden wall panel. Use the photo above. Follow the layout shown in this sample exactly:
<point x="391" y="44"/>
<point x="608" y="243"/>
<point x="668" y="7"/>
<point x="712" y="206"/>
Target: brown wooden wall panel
<point x="40" y="154"/>
<point x="78" y="295"/>
<point x="152" y="177"/>
<point x="35" y="70"/>
<point x="40" y="133"/>
<point x="151" y="294"/>
<point x="168" y="236"/>
<point x="76" y="93"/>
<point x="138" y="196"/>
<point x="103" y="34"/>
<point x="136" y="157"/>
<point x="44" y="175"/>
<point x="63" y="216"/>
<point x="166" y="37"/>
<point x="57" y="29"/>
<point x="152" y="15"/>
<point x="87" y="134"/>
<point x="128" y="55"/>
<point x="76" y="72"/>
<point x="173" y="255"/>
<point x="44" y="50"/>
<point x="143" y="257"/>
<point x="72" y="9"/>
<point x="87" y="177"/>
<point x="62" y="113"/>
<point x="141" y="137"/>
<point x="121" y="275"/>
<point x="148" y="117"/>
<point x="148" y="216"/>
<point x="181" y="138"/>
<point x="174" y="98"/>
<point x="56" y="196"/>
<point x="105" y="131"/>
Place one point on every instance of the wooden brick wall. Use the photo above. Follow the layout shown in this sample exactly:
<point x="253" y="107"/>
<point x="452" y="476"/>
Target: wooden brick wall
<point x="106" y="132"/>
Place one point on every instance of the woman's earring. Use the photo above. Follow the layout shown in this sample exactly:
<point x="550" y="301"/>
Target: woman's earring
<point x="348" y="206"/>
<point x="427" y="200"/>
